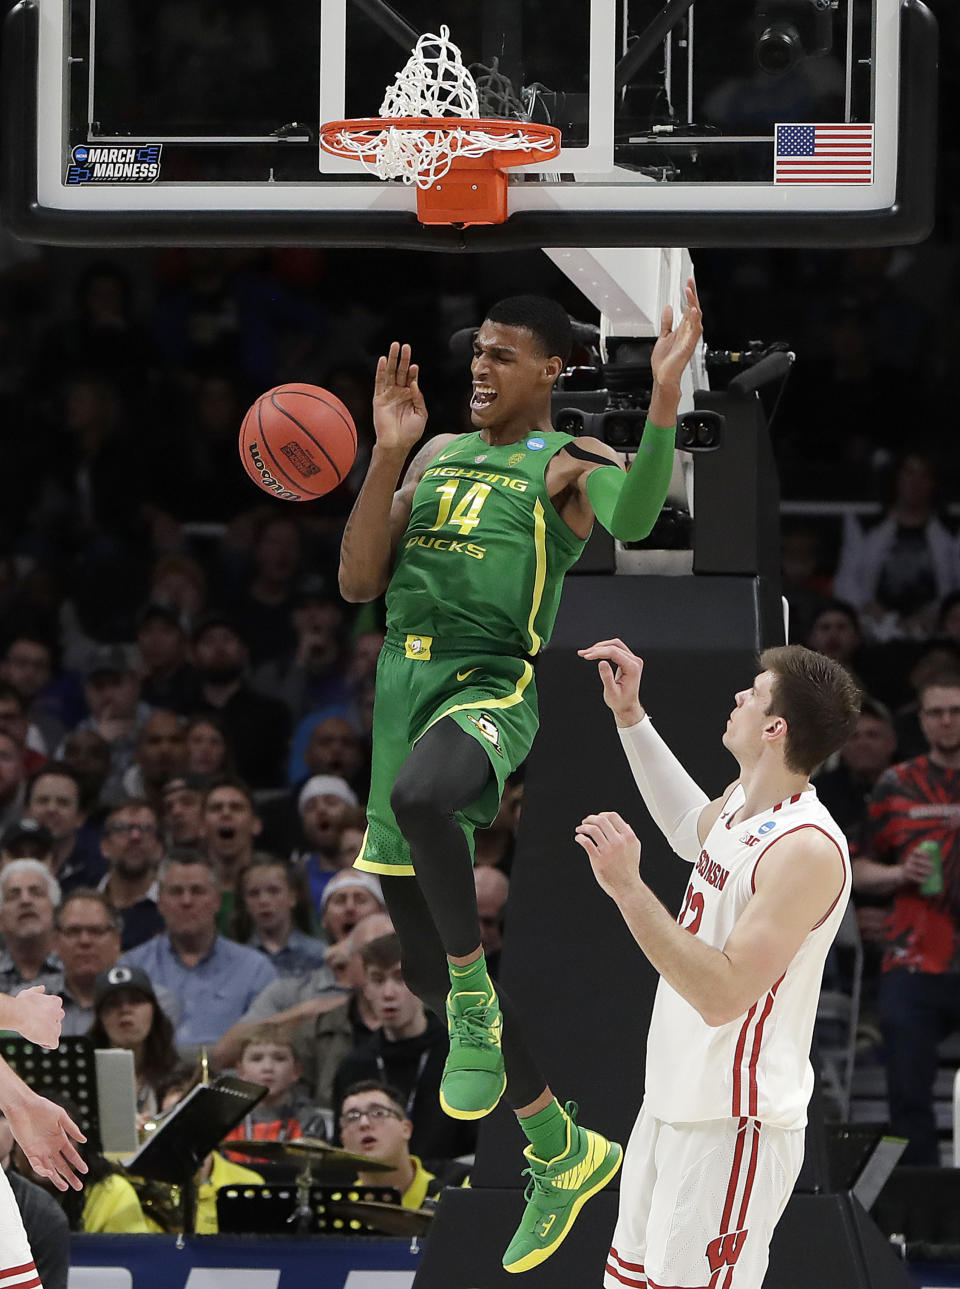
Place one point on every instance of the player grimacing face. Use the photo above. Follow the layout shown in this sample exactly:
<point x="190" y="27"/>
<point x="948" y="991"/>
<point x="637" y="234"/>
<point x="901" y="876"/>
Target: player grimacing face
<point x="511" y="377"/>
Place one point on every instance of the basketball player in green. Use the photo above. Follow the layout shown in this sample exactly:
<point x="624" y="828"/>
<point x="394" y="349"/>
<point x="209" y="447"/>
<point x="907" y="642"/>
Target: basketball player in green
<point x="472" y="549"/>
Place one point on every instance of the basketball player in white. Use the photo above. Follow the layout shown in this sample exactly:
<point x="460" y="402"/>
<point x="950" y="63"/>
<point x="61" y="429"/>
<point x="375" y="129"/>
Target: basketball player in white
<point x="44" y="1130"/>
<point x="718" y="1143"/>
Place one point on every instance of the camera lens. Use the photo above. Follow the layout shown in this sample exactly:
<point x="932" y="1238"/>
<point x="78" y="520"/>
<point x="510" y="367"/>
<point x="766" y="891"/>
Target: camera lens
<point x="778" y="48"/>
<point x="570" y="422"/>
<point x="618" y="431"/>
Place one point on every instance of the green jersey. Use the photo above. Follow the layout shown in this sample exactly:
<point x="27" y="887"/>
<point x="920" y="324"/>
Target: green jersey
<point x="485" y="552"/>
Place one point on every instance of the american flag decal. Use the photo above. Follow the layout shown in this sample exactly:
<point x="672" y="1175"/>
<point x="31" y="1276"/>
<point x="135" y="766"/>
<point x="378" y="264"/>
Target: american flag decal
<point x="823" y="154"/>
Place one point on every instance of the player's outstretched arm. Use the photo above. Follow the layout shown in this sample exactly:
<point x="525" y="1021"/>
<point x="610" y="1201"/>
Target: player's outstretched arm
<point x="381" y="511"/>
<point x="798" y="880"/>
<point x="627" y="505"/>
<point x="45" y="1131"/>
<point x="674" y="800"/>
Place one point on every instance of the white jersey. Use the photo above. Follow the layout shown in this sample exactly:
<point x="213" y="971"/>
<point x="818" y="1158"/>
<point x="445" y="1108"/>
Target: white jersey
<point x="757" y="1066"/>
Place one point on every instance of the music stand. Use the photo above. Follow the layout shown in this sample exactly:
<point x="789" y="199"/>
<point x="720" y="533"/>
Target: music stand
<point x="274" y="1209"/>
<point x="67" y="1069"/>
<point x="188" y="1134"/>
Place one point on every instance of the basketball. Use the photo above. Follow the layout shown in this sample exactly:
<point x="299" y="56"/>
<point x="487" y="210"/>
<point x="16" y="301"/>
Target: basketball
<point x="298" y="442"/>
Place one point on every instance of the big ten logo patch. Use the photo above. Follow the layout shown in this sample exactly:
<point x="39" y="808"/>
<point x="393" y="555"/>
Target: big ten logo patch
<point x="487" y="728"/>
<point x="725" y="1250"/>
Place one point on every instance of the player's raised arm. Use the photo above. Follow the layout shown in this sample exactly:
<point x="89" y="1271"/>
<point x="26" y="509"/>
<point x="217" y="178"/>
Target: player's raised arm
<point x="381" y="511"/>
<point x="627" y="505"/>
<point x="674" y="800"/>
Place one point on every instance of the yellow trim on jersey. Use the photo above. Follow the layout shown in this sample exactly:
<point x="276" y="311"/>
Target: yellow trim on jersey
<point x="372" y="866"/>
<point x="540" y="545"/>
<point x="510" y="700"/>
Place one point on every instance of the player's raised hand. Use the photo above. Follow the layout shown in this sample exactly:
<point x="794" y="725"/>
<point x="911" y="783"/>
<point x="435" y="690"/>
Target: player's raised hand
<point x="674" y="348"/>
<point x="46" y="1134"/>
<point x="399" y="412"/>
<point x="613" y="849"/>
<point x="39" y="1016"/>
<point x="621" y="687"/>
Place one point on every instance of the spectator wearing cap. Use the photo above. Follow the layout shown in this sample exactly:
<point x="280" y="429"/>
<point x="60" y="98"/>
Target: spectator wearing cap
<point x="309" y="675"/>
<point x="348" y="896"/>
<point x="129" y="1013"/>
<point x="112" y="690"/>
<point x="12" y="780"/>
<point x="15" y="722"/>
<point x="169" y="679"/>
<point x="286" y="830"/>
<point x="272" y="913"/>
<point x="230" y="827"/>
<point x="133" y="848"/>
<point x="182" y="811"/>
<point x="213" y="980"/>
<point x="27" y="840"/>
<point x="160" y="754"/>
<point x="28" y="897"/>
<point x="182" y="814"/>
<point x="54" y="799"/>
<point x="257" y="727"/>
<point x="323" y="802"/>
<point x="264" y="604"/>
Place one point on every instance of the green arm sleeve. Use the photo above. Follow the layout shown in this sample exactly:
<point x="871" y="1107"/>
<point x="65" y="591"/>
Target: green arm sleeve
<point x="627" y="505"/>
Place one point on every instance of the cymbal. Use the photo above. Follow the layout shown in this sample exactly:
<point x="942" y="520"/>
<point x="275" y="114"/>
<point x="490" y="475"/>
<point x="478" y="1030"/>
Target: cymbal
<point x="389" y="1219"/>
<point x="319" y="1155"/>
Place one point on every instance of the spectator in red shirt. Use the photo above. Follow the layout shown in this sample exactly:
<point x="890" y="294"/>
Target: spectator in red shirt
<point x="919" y="997"/>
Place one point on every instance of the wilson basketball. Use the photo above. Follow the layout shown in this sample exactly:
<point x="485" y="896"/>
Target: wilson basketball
<point x="298" y="442"/>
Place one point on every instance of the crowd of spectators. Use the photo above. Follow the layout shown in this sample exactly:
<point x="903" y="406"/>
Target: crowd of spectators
<point x="186" y="702"/>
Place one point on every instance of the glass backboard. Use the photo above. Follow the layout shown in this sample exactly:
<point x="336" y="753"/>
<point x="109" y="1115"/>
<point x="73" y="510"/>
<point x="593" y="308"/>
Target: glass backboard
<point x="776" y="122"/>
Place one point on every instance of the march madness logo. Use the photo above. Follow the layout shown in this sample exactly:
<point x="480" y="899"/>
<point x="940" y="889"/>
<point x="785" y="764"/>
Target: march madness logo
<point x="135" y="163"/>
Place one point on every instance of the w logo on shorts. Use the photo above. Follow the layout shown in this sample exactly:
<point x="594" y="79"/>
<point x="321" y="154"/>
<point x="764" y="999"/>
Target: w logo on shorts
<point x="725" y="1249"/>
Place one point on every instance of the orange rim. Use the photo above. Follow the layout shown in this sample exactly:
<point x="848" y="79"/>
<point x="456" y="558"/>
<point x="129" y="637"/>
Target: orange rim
<point x="366" y="130"/>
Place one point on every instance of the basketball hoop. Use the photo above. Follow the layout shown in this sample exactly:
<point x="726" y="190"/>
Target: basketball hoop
<point x="430" y="133"/>
<point x="457" y="164"/>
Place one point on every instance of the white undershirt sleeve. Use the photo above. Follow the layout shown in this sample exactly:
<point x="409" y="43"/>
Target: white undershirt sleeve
<point x="669" y="793"/>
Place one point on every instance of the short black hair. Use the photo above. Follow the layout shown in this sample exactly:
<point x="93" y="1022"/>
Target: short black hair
<point x="375" y="1085"/>
<point x="548" y="321"/>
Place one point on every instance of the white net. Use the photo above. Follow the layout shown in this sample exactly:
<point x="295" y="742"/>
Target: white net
<point x="433" y="83"/>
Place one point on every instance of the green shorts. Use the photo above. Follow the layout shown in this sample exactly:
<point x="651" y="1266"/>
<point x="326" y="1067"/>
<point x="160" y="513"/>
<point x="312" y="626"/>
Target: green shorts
<point x="421" y="680"/>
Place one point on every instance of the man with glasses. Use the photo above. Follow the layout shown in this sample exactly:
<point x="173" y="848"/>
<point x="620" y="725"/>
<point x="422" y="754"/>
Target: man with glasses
<point x="373" y="1123"/>
<point x="132" y="847"/>
<point x="87" y="941"/>
<point x="915" y="803"/>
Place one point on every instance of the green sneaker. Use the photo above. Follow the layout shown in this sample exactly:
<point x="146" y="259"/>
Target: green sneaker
<point x="473" y="1076"/>
<point x="558" y="1190"/>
